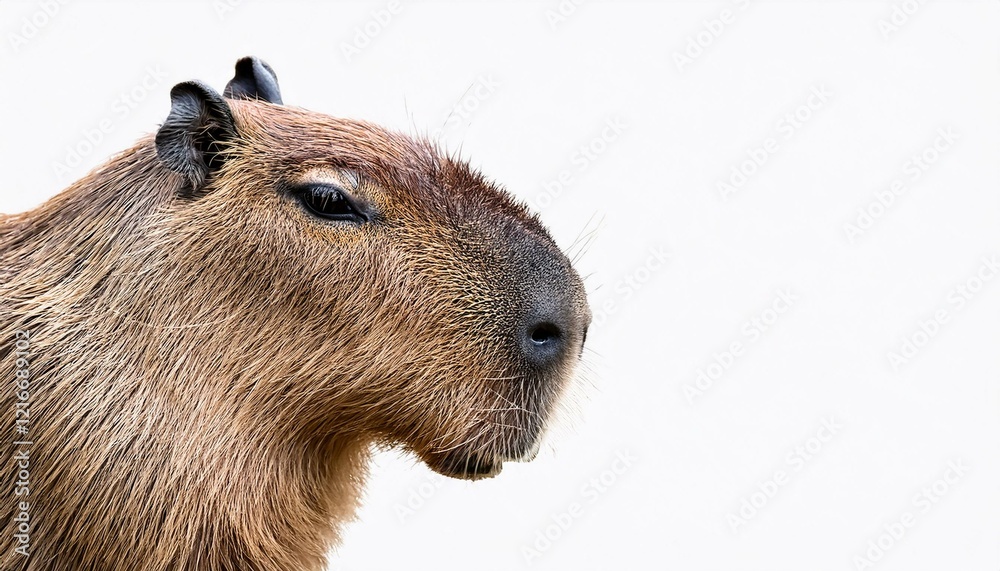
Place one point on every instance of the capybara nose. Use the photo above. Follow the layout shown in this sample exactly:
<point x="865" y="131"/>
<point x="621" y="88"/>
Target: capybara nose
<point x="544" y="334"/>
<point x="555" y="314"/>
<point x="543" y="342"/>
<point x="551" y="330"/>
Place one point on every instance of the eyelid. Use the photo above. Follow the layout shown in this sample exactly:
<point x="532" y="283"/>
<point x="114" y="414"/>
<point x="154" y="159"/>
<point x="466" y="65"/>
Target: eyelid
<point x="322" y="185"/>
<point x="327" y="188"/>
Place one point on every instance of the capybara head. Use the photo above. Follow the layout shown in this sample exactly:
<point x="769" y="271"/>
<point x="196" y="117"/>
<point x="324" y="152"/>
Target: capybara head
<point x="222" y="320"/>
<point x="387" y="290"/>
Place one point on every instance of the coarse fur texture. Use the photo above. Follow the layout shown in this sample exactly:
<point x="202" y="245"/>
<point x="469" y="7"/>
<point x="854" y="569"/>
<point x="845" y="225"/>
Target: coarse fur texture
<point x="211" y="363"/>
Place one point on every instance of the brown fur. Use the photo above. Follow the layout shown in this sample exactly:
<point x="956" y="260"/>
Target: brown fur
<point x="210" y="371"/>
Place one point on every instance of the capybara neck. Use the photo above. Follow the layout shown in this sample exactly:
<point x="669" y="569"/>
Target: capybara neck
<point x="217" y="471"/>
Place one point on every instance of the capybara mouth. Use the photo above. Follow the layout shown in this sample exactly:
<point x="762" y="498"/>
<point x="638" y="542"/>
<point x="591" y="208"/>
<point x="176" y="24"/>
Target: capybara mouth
<point x="465" y="465"/>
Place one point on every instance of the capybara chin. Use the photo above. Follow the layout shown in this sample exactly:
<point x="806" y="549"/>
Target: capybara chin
<point x="221" y="322"/>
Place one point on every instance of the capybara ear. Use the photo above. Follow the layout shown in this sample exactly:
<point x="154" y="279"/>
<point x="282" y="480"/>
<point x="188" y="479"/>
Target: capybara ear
<point x="254" y="80"/>
<point x="193" y="139"/>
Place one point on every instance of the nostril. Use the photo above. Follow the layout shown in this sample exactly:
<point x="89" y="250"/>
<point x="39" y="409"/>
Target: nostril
<point x="544" y="333"/>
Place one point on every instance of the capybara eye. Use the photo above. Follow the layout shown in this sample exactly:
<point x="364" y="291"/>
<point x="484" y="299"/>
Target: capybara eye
<point x="330" y="202"/>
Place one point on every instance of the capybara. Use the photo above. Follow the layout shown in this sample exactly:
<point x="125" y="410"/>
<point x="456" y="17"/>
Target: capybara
<point x="206" y="336"/>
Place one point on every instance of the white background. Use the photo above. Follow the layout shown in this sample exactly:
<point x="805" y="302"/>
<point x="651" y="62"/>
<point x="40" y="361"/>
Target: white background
<point x="651" y="186"/>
